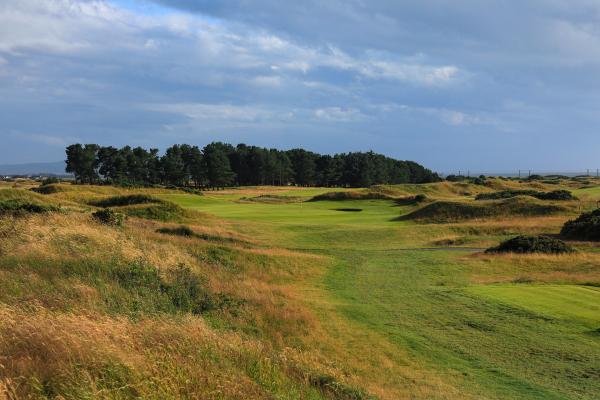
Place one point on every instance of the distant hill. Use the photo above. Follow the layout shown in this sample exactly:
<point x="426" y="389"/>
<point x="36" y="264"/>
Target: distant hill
<point x="55" y="168"/>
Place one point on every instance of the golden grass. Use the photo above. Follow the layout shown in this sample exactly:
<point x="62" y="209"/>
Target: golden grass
<point x="159" y="359"/>
<point x="42" y="345"/>
<point x="577" y="268"/>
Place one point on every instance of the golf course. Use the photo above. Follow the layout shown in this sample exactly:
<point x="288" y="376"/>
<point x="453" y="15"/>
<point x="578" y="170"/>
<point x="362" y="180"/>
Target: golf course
<point x="288" y="292"/>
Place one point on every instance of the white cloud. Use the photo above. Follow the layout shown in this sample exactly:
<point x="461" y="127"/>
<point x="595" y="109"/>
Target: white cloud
<point x="267" y="81"/>
<point x="339" y="114"/>
<point x="49" y="140"/>
<point x="217" y="112"/>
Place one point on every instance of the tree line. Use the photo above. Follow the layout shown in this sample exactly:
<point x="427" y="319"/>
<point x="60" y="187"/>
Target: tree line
<point x="220" y="164"/>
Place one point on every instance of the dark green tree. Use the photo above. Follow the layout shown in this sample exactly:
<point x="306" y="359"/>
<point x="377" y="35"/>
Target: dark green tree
<point x="82" y="162"/>
<point x="217" y="166"/>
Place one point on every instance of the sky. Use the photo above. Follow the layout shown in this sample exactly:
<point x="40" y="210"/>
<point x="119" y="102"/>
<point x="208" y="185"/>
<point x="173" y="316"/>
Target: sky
<point x="480" y="85"/>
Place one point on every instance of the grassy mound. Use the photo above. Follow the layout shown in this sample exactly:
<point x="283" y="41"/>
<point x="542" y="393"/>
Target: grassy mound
<point x="271" y="199"/>
<point x="164" y="211"/>
<point x="128" y="200"/>
<point x="356" y="195"/>
<point x="109" y="217"/>
<point x="186" y="231"/>
<point x="411" y="200"/>
<point x="452" y="211"/>
<point x="585" y="227"/>
<point x="532" y="244"/>
<point x="20" y="207"/>
<point x="561" y="195"/>
<point x="49" y="188"/>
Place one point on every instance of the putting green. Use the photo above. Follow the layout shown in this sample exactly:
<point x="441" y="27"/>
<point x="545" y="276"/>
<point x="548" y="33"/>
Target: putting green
<point x="570" y="302"/>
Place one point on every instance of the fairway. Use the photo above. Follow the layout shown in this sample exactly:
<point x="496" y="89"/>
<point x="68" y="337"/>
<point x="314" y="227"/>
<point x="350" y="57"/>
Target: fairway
<point x="422" y="304"/>
<point x="579" y="304"/>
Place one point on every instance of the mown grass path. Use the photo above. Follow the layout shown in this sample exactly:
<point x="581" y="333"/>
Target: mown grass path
<point x="521" y="342"/>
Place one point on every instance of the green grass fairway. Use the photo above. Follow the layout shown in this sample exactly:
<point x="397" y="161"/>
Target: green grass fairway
<point x="500" y="342"/>
<point x="580" y="304"/>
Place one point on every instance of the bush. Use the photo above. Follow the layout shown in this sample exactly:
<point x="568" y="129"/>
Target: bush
<point x="191" y="190"/>
<point x="179" y="231"/>
<point x="20" y="207"/>
<point x="535" y="177"/>
<point x="585" y="227"/>
<point x="338" y="390"/>
<point x="456" y="178"/>
<point x="532" y="244"/>
<point x="49" y="181"/>
<point x="185" y="291"/>
<point x="109" y="217"/>
<point x="129" y="200"/>
<point x="48" y="188"/>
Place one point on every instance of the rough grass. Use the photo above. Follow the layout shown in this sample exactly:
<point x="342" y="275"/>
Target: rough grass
<point x="186" y="231"/>
<point x="165" y="211"/>
<point x="49" y="188"/>
<point x="127" y="200"/>
<point x="272" y="199"/>
<point x="354" y="195"/>
<point x="559" y="195"/>
<point x="20" y="207"/>
<point x="451" y="211"/>
<point x="94" y="312"/>
<point x="109" y="217"/>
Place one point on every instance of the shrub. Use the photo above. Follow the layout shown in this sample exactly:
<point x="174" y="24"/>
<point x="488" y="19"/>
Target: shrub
<point x="179" y="231"/>
<point x="338" y="390"/>
<point x="109" y="217"/>
<point x="49" y="181"/>
<point x="191" y="190"/>
<point x="185" y="291"/>
<point x="535" y="177"/>
<point x="48" y="189"/>
<point x="585" y="227"/>
<point x="20" y="207"/>
<point x="129" y="200"/>
<point x="532" y="244"/>
<point x="456" y="178"/>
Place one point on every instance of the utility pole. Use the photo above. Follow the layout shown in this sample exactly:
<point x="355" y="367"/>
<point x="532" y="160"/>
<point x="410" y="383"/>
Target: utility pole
<point x="519" y="174"/>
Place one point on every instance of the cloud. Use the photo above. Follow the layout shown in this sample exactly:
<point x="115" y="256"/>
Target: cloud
<point x="49" y="140"/>
<point x="392" y="76"/>
<point x="339" y="114"/>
